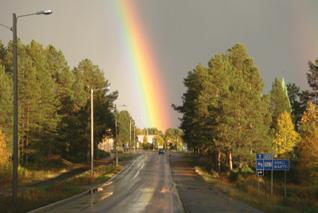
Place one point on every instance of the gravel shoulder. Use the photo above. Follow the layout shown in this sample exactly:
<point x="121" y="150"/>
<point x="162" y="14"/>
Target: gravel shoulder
<point x="199" y="196"/>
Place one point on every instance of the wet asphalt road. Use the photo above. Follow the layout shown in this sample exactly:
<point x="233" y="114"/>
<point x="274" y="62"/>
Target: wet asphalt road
<point x="145" y="186"/>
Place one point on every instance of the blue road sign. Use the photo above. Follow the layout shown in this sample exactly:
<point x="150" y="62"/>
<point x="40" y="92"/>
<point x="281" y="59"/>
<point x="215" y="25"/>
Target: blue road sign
<point x="281" y="165"/>
<point x="265" y="162"/>
<point x="268" y="157"/>
<point x="259" y="164"/>
<point x="259" y="156"/>
<point x="268" y="165"/>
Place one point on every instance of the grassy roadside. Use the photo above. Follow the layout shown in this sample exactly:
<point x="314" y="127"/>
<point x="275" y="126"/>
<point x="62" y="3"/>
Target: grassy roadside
<point x="35" y="196"/>
<point x="245" y="188"/>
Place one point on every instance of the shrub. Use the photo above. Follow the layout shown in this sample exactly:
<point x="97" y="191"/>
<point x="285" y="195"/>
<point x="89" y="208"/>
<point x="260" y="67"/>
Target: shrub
<point x="234" y="175"/>
<point x="246" y="170"/>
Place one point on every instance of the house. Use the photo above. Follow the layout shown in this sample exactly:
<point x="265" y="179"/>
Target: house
<point x="106" y="145"/>
<point x="140" y="139"/>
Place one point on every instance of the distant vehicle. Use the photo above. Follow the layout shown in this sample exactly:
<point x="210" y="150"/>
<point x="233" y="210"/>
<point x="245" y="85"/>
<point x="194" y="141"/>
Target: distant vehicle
<point x="161" y="151"/>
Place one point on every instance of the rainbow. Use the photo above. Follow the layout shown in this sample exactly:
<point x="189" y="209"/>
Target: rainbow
<point x="152" y="94"/>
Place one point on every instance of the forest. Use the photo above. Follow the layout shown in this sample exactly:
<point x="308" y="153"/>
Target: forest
<point x="54" y="105"/>
<point x="227" y="118"/>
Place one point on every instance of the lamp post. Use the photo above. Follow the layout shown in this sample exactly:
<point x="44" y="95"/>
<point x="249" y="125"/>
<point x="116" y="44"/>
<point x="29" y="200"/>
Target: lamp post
<point x="92" y="126"/>
<point x="135" y="138"/>
<point x="129" y="132"/>
<point x="15" y="157"/>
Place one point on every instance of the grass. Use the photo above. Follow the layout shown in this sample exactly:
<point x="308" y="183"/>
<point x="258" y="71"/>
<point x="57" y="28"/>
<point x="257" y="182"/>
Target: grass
<point x="34" y="197"/>
<point x="299" y="198"/>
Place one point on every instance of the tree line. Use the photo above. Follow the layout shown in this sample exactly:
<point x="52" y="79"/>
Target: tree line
<point x="171" y="139"/>
<point x="54" y="103"/>
<point x="227" y="118"/>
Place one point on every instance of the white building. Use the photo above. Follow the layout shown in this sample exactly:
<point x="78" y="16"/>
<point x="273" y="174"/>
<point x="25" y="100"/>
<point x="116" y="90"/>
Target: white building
<point x="140" y="139"/>
<point x="106" y="145"/>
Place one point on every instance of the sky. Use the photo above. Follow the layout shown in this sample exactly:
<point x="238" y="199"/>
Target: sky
<point x="281" y="36"/>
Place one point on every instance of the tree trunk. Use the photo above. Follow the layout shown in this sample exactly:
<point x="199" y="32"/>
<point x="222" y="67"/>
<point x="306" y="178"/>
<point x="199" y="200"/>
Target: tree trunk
<point x="230" y="161"/>
<point x="219" y="160"/>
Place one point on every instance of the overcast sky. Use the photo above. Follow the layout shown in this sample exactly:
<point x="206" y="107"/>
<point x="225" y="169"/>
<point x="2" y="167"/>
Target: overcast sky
<point x="281" y="36"/>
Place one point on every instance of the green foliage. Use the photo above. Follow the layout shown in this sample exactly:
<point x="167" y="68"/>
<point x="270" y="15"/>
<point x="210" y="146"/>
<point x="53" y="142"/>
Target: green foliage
<point x="194" y="109"/>
<point x="77" y="110"/>
<point x="298" y="100"/>
<point x="54" y="102"/>
<point x="125" y="127"/>
<point x="174" y="136"/>
<point x="159" y="141"/>
<point x="223" y="108"/>
<point x="145" y="144"/>
<point x="279" y="101"/>
<point x="5" y="101"/>
<point x="312" y="78"/>
<point x="247" y="170"/>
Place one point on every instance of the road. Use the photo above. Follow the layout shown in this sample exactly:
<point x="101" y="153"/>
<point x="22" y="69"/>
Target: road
<point x="145" y="186"/>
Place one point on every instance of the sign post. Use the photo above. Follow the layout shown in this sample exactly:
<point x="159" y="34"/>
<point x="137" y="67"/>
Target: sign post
<point x="265" y="162"/>
<point x="272" y="181"/>
<point x="285" y="187"/>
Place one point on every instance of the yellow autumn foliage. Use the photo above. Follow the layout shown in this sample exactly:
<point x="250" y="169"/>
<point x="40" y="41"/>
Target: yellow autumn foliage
<point x="3" y="150"/>
<point x="286" y="137"/>
<point x="310" y="115"/>
<point x="308" y="147"/>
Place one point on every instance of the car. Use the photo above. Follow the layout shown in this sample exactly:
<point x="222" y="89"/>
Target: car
<point x="161" y="151"/>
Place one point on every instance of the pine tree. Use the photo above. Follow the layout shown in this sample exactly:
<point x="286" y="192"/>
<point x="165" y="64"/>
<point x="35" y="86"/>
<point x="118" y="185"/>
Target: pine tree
<point x="295" y="102"/>
<point x="279" y="101"/>
<point x="286" y="137"/>
<point x="243" y="119"/>
<point x="312" y="78"/>
<point x="45" y="105"/>
<point x="223" y="109"/>
<point x="87" y="76"/>
<point x="5" y="101"/>
<point x="123" y="125"/>
<point x="192" y="123"/>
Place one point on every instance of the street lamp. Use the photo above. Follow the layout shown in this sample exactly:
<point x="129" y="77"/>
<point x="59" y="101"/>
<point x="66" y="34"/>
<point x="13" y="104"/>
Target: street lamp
<point x="15" y="156"/>
<point x="92" y="126"/>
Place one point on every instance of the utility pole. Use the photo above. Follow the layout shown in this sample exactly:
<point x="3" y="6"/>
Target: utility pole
<point x="15" y="157"/>
<point x="92" y="131"/>
<point x="116" y="138"/>
<point x="15" y="149"/>
<point x="134" y="138"/>
<point x="130" y="132"/>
